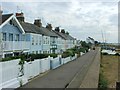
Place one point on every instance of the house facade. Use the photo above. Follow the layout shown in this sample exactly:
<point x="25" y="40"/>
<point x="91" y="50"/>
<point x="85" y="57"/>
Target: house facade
<point x="66" y="41"/>
<point x="12" y="42"/>
<point x="18" y="36"/>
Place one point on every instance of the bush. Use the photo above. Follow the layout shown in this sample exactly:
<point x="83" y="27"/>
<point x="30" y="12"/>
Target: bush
<point x="53" y="55"/>
<point x="10" y="58"/>
<point x="103" y="84"/>
<point x="40" y="56"/>
<point x="105" y="53"/>
<point x="117" y="54"/>
<point x="83" y="50"/>
<point x="29" y="57"/>
<point x="67" y="53"/>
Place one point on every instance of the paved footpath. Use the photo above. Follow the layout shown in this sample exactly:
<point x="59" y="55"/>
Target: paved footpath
<point x="69" y="75"/>
<point x="92" y="77"/>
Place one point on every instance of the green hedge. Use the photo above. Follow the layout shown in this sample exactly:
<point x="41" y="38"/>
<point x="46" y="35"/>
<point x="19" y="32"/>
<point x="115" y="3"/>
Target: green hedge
<point x="40" y="56"/>
<point x="68" y="52"/>
<point x="104" y="53"/>
<point x="10" y="58"/>
<point x="72" y="51"/>
<point x="29" y="57"/>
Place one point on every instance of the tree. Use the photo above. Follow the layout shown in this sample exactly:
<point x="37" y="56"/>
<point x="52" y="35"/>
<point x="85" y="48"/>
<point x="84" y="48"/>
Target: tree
<point x="96" y="43"/>
<point x="85" y="45"/>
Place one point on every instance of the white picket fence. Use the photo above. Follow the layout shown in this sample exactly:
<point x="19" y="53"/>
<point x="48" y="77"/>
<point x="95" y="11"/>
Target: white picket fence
<point x="10" y="70"/>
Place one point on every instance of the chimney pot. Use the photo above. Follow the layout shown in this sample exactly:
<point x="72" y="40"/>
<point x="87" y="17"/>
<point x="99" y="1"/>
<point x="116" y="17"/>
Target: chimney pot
<point x="20" y="16"/>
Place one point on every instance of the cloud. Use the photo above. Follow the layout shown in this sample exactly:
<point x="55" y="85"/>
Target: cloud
<point x="80" y="18"/>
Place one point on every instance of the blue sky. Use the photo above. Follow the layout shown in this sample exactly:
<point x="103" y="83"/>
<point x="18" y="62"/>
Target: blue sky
<point x="82" y="18"/>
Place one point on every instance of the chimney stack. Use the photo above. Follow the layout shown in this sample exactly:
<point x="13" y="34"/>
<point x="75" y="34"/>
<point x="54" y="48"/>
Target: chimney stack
<point x="67" y="33"/>
<point x="57" y="29"/>
<point x="63" y="31"/>
<point x="20" y="16"/>
<point x="49" y="26"/>
<point x="38" y="23"/>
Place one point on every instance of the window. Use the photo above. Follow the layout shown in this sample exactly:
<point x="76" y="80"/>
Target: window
<point x="40" y="51"/>
<point x="32" y="52"/>
<point x="44" y="41"/>
<point x="40" y="42"/>
<point x="36" y="52"/>
<point x="10" y="37"/>
<point x="48" y="41"/>
<point x="4" y="36"/>
<point x="36" y="40"/>
<point x="23" y="38"/>
<point x="17" y="37"/>
<point x="32" y="41"/>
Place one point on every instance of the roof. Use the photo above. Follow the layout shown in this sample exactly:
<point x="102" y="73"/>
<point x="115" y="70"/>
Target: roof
<point x="70" y="37"/>
<point x="64" y="36"/>
<point x="31" y="28"/>
<point x="48" y="32"/>
<point x="5" y="17"/>
<point x="60" y="34"/>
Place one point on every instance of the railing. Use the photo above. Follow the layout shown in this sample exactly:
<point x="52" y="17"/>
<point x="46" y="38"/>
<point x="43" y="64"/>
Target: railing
<point x="15" y="45"/>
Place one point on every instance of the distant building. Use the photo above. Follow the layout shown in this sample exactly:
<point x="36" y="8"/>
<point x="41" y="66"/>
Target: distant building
<point x="90" y="40"/>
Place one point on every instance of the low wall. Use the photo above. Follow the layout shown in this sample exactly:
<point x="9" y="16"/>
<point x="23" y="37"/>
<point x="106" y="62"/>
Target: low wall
<point x="11" y="75"/>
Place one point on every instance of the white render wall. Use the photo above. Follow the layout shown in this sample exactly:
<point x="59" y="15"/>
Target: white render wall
<point x="35" y="43"/>
<point x="46" y="44"/>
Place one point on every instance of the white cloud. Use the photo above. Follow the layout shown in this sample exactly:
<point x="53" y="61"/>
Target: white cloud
<point x="80" y="18"/>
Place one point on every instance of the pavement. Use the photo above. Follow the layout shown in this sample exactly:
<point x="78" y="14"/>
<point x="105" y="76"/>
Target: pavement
<point x="92" y="77"/>
<point x="69" y="75"/>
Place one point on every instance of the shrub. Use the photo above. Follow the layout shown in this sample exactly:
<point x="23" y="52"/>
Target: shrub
<point x="40" y="56"/>
<point x="103" y="84"/>
<point x="69" y="52"/>
<point x="10" y="58"/>
<point x="29" y="57"/>
<point x="83" y="50"/>
<point x="53" y="55"/>
<point x="105" y="53"/>
<point x="117" y="54"/>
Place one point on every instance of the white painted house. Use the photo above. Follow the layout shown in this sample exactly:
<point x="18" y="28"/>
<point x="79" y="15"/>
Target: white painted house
<point x="66" y="41"/>
<point x="12" y="42"/>
<point x="18" y="36"/>
<point x="42" y="40"/>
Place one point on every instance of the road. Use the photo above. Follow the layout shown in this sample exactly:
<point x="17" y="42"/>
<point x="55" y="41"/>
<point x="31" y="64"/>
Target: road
<point x="69" y="75"/>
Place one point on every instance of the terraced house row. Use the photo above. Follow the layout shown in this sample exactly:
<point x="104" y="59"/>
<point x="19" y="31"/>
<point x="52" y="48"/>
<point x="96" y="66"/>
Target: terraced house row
<point x="18" y="36"/>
